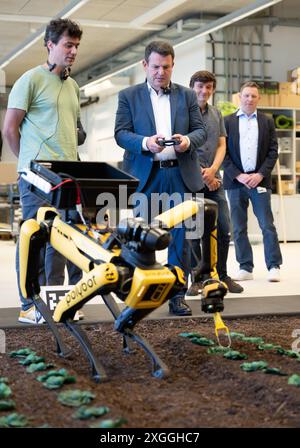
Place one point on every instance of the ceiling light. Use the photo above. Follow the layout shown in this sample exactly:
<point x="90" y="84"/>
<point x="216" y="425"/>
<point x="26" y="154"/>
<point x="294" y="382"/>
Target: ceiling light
<point x="31" y="40"/>
<point x="107" y="87"/>
<point x="98" y="88"/>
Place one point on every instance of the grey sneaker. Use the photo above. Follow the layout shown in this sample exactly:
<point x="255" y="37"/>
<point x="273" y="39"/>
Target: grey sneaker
<point x="31" y="316"/>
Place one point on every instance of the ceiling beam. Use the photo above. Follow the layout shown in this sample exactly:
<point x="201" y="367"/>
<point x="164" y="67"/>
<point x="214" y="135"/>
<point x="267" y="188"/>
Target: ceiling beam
<point x="156" y="12"/>
<point x="231" y="18"/>
<point x="214" y="25"/>
<point x="83" y="22"/>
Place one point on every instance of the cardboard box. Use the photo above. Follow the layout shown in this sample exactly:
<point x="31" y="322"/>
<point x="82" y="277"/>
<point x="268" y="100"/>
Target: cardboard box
<point x="285" y="88"/>
<point x="287" y="187"/>
<point x="274" y="100"/>
<point x="8" y="172"/>
<point x="289" y="100"/>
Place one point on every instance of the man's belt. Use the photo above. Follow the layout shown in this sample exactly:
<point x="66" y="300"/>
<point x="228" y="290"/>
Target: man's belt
<point x="165" y="163"/>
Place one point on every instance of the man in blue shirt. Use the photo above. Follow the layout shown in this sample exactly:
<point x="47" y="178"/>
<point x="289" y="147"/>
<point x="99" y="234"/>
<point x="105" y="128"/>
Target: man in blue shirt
<point x="252" y="151"/>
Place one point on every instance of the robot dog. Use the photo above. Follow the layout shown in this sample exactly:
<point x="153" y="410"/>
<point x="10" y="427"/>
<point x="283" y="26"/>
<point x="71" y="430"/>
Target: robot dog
<point x="120" y="261"/>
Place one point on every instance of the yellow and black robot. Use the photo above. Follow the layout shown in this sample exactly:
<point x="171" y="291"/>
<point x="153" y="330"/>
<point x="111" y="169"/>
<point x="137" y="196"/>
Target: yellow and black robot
<point x="120" y="261"/>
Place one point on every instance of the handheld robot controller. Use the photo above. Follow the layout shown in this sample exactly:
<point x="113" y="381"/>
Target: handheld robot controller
<point x="171" y="142"/>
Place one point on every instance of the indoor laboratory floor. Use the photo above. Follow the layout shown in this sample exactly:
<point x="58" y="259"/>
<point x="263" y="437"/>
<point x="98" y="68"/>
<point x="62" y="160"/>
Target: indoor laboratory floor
<point x="259" y="287"/>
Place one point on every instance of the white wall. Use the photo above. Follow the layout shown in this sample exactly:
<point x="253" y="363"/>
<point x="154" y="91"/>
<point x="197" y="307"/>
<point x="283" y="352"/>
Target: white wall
<point x="98" y="121"/>
<point x="284" y="52"/>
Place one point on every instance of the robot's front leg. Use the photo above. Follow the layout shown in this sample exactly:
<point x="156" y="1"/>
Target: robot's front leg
<point x="33" y="238"/>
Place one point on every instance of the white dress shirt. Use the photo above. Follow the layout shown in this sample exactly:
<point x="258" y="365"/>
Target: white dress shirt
<point x="248" y="129"/>
<point x="162" y="115"/>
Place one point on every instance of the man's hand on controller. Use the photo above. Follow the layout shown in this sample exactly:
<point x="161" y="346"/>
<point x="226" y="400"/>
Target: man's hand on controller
<point x="183" y="145"/>
<point x="152" y="144"/>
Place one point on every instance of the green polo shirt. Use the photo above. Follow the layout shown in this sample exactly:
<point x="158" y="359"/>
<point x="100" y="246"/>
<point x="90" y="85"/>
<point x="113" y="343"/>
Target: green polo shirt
<point x="49" y="128"/>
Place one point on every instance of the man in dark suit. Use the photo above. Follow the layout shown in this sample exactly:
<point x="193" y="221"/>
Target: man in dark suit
<point x="148" y="112"/>
<point x="252" y="151"/>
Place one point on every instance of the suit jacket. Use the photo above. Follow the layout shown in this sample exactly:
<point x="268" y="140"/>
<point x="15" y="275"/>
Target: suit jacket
<point x="267" y="152"/>
<point x="135" y="120"/>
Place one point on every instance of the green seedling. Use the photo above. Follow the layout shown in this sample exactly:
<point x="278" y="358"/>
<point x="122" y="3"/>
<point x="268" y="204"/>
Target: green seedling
<point x="38" y="367"/>
<point x="7" y="405"/>
<point x="61" y="372"/>
<point x="13" y="421"/>
<point x="22" y="353"/>
<point x="75" y="397"/>
<point x="254" y="366"/>
<point x="202" y="341"/>
<point x="294" y="380"/>
<point x="235" y="335"/>
<point x="3" y="379"/>
<point x="56" y="382"/>
<point x="190" y="335"/>
<point x="117" y="423"/>
<point x="217" y="350"/>
<point x="289" y="353"/>
<point x="5" y="391"/>
<point x="30" y="359"/>
<point x="234" y="355"/>
<point x="253" y="340"/>
<point x="263" y="347"/>
<point x="274" y="371"/>
<point x="84" y="412"/>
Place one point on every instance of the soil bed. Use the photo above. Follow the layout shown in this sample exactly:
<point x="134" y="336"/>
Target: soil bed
<point x="202" y="390"/>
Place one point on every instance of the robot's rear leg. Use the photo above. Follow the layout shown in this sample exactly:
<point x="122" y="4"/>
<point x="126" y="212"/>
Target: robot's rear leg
<point x="62" y="349"/>
<point x="159" y="368"/>
<point x="98" y="371"/>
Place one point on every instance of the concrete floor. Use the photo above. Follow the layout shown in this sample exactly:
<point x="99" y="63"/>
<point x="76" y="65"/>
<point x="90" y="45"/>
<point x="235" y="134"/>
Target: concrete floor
<point x="259" y="296"/>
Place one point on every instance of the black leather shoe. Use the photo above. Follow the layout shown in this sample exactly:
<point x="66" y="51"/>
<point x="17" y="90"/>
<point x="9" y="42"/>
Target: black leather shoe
<point x="195" y="289"/>
<point x="232" y="285"/>
<point x="179" y="307"/>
